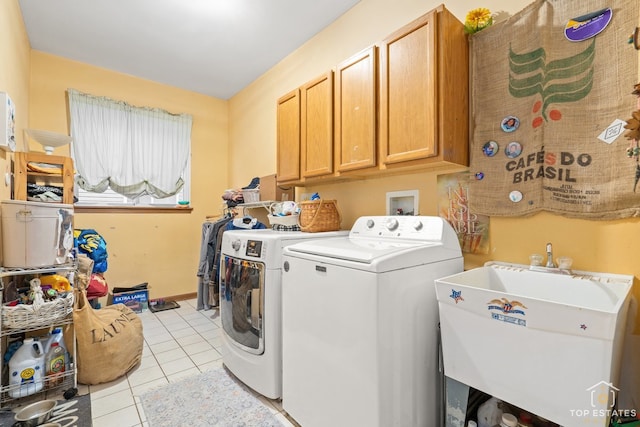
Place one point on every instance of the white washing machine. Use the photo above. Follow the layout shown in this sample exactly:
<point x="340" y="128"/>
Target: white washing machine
<point x="360" y="324"/>
<point x="250" y="304"/>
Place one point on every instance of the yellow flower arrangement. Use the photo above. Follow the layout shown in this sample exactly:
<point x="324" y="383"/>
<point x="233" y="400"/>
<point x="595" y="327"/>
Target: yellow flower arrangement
<point x="477" y="19"/>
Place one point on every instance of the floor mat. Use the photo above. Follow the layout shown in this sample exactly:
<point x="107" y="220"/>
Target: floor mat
<point x="74" y="412"/>
<point x="155" y="306"/>
<point x="212" y="398"/>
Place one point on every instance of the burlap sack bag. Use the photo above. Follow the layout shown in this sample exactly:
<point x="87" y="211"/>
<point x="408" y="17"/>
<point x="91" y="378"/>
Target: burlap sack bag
<point x="109" y="340"/>
<point x="569" y="98"/>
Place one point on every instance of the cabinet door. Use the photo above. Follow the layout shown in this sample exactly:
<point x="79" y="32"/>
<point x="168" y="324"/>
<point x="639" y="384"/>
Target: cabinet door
<point x="408" y="92"/>
<point x="317" y="126"/>
<point x="288" y="130"/>
<point x="355" y="115"/>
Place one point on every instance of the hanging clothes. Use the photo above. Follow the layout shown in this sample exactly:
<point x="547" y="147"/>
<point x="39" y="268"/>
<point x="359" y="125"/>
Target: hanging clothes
<point x="211" y="233"/>
<point x="210" y="254"/>
<point x="247" y="222"/>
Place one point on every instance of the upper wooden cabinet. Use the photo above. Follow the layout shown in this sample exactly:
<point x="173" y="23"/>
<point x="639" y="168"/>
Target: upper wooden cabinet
<point x="288" y="137"/>
<point x="424" y="93"/>
<point x="400" y="106"/>
<point x="355" y="117"/>
<point x="317" y="126"/>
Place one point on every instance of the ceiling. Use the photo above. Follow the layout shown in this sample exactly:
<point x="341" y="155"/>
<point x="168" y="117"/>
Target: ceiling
<point x="213" y="47"/>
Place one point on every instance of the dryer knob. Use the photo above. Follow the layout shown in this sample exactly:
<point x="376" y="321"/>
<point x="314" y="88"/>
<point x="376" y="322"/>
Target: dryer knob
<point x="418" y="225"/>
<point x="392" y="224"/>
<point x="370" y="223"/>
<point x="235" y="245"/>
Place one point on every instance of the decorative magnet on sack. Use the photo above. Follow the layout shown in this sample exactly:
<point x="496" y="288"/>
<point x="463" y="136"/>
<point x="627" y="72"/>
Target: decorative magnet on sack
<point x="510" y="123"/>
<point x="586" y="26"/>
<point x="479" y="175"/>
<point x="515" y="196"/>
<point x="490" y="148"/>
<point x="513" y="150"/>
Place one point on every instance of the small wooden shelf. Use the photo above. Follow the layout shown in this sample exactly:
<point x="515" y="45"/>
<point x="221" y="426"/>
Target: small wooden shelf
<point x="22" y="175"/>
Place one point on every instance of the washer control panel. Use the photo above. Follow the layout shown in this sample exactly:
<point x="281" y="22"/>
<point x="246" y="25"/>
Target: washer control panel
<point x="404" y="227"/>
<point x="244" y="247"/>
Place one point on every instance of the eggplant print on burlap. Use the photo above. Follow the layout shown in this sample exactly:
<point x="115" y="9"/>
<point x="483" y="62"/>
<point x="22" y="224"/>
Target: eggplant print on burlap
<point x="559" y="81"/>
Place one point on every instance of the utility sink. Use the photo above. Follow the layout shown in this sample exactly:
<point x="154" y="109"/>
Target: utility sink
<point x="547" y="342"/>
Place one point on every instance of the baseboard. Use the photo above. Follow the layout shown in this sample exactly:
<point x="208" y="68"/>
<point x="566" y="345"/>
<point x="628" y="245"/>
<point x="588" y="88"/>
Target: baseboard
<point x="181" y="297"/>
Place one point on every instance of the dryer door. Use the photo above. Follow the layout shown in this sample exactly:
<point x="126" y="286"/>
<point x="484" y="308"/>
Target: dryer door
<point x="242" y="302"/>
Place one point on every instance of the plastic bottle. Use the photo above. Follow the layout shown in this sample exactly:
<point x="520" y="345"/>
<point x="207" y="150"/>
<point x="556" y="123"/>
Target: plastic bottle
<point x="508" y="420"/>
<point x="26" y="369"/>
<point x="57" y="336"/>
<point x="55" y="364"/>
<point x="489" y="413"/>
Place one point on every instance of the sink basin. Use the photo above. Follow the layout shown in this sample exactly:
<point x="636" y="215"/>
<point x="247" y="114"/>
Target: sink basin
<point x="548" y="343"/>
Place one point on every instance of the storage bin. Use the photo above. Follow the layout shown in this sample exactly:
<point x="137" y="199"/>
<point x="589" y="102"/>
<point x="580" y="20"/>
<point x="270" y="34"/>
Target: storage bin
<point x="288" y="220"/>
<point x="135" y="297"/>
<point x="36" y="234"/>
<point x="138" y="301"/>
<point x="270" y="190"/>
<point x="251" y="196"/>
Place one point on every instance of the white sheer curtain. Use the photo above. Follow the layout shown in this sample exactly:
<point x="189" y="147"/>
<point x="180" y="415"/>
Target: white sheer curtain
<point x="134" y="151"/>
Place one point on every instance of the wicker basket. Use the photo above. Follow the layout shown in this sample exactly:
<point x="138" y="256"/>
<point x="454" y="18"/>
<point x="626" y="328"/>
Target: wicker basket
<point x="32" y="316"/>
<point x="319" y="215"/>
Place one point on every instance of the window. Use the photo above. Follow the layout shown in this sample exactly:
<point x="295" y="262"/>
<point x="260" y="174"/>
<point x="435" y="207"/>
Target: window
<point x="126" y="155"/>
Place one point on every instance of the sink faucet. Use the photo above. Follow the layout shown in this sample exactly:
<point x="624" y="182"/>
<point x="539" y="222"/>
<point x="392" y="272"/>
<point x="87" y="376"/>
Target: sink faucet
<point x="564" y="266"/>
<point x="550" y="263"/>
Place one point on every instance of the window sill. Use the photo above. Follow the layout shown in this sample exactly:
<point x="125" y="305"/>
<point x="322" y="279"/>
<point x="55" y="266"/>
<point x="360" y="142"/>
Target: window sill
<point x="131" y="209"/>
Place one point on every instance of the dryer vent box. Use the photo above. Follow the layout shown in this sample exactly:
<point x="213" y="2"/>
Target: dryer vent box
<point x="402" y="202"/>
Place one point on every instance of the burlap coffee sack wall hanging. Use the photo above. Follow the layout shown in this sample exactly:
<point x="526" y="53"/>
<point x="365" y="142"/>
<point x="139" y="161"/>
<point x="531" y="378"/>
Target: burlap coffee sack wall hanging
<point x="540" y="102"/>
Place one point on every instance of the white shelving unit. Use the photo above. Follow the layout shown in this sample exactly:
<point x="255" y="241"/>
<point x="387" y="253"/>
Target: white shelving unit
<point x="67" y="381"/>
<point x="261" y="204"/>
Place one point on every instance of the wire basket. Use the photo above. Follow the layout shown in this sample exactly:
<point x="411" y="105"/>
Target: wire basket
<point x="32" y="316"/>
<point x="319" y="215"/>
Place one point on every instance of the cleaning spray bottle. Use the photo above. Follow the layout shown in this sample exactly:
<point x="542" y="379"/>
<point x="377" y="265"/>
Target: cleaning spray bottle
<point x="57" y="337"/>
<point x="55" y="363"/>
<point x="26" y="369"/>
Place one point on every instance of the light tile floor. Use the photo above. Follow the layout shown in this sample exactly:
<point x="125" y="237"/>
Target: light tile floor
<point x="177" y="343"/>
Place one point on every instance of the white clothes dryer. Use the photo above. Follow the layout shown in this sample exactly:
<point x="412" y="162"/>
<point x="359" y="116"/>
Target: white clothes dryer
<point x="360" y="323"/>
<point x="250" y="304"/>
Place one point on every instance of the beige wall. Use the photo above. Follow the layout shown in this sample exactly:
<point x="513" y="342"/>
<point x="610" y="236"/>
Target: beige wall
<point x="161" y="249"/>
